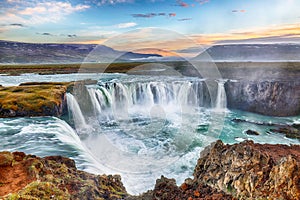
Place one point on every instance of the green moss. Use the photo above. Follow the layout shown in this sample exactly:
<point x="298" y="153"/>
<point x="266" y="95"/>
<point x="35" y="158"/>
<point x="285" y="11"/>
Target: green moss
<point x="40" y="190"/>
<point x="33" y="98"/>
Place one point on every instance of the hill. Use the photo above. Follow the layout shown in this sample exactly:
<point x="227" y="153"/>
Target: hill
<point x="30" y="53"/>
<point x="253" y="52"/>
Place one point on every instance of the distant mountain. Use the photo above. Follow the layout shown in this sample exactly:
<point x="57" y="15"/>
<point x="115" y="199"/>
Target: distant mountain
<point x="24" y="53"/>
<point x="252" y="52"/>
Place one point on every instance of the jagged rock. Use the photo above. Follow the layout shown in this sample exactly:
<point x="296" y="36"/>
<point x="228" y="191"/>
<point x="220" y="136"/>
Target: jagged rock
<point x="239" y="171"/>
<point x="251" y="171"/>
<point x="6" y="159"/>
<point x="166" y="189"/>
<point x="251" y="132"/>
<point x="274" y="98"/>
<point x="290" y="131"/>
<point x="55" y="177"/>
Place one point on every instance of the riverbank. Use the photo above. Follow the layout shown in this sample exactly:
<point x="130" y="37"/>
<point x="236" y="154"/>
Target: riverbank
<point x="47" y="99"/>
<point x="240" y="171"/>
<point x="36" y="99"/>
<point x="256" y="70"/>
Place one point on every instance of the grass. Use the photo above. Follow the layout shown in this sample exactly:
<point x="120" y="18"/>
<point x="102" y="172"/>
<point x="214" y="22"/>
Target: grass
<point x="32" y="98"/>
<point x="289" y="70"/>
<point x="66" y="68"/>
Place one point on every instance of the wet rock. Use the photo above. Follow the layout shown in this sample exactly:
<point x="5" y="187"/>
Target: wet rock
<point x="274" y="98"/>
<point x="166" y="189"/>
<point x="251" y="171"/>
<point x="251" y="132"/>
<point x="290" y="131"/>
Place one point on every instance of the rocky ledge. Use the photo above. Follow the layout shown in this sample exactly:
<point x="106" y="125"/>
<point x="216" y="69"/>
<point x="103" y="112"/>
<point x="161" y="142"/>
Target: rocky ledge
<point x="251" y="171"/>
<point x="37" y="98"/>
<point x="273" y="98"/>
<point x="239" y="171"/>
<point x="47" y="99"/>
<point x="55" y="177"/>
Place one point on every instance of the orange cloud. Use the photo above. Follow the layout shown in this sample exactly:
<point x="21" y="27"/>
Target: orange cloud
<point x="285" y="31"/>
<point x="170" y="44"/>
<point x="182" y="4"/>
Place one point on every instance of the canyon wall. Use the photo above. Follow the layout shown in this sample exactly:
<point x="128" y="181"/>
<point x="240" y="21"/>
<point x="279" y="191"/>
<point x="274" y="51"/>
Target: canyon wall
<point x="274" y="98"/>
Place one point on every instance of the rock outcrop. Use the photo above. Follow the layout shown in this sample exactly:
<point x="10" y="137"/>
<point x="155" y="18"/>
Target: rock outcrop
<point x="33" y="100"/>
<point x="251" y="171"/>
<point x="38" y="98"/>
<point x="166" y="189"/>
<point x="239" y="171"/>
<point x="55" y="177"/>
<point x="274" y="98"/>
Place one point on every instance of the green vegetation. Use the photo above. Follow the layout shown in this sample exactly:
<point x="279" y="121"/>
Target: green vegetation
<point x="228" y="69"/>
<point x="32" y="100"/>
<point x="66" y="68"/>
<point x="40" y="190"/>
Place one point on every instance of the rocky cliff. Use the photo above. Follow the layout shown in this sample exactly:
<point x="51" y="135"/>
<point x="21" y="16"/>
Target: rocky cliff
<point x="55" y="177"/>
<point x="37" y="98"/>
<point x="275" y="98"/>
<point x="251" y="171"/>
<point x="47" y="99"/>
<point x="239" y="171"/>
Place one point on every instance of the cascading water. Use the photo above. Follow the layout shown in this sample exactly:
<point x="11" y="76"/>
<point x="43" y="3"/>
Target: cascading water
<point x="144" y="124"/>
<point x="147" y="94"/>
<point x="75" y="110"/>
<point x="147" y="127"/>
<point x="221" y="95"/>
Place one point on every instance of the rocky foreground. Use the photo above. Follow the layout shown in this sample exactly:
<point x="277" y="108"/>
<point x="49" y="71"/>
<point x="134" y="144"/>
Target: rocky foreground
<point x="240" y="171"/>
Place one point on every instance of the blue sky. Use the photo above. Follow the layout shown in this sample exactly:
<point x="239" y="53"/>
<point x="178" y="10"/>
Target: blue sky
<point x="205" y="21"/>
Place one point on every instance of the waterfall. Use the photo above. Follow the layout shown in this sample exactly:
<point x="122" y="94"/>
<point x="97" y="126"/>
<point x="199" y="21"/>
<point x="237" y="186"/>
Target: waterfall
<point x="116" y="98"/>
<point x="75" y="110"/>
<point x="221" y="95"/>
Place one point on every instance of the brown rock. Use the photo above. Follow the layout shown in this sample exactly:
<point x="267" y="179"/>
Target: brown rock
<point x="19" y="156"/>
<point x="53" y="177"/>
<point x="6" y="159"/>
<point x="249" y="170"/>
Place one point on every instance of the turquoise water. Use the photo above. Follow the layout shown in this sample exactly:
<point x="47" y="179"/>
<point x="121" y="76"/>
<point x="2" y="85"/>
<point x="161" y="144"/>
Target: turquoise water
<point x="146" y="127"/>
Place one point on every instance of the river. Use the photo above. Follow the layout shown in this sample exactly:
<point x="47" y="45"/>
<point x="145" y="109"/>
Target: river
<point x="138" y="126"/>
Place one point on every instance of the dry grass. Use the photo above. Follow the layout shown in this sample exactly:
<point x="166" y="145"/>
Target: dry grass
<point x="31" y="98"/>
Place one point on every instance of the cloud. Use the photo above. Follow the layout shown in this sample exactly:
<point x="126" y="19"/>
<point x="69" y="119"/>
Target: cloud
<point x="151" y="15"/>
<point x="34" y="12"/>
<point x="185" y="19"/>
<point x="182" y="4"/>
<point x="235" y="11"/>
<point x="283" y="33"/>
<point x="45" y="34"/>
<point x="111" y="2"/>
<point x="17" y="24"/>
<point x="72" y="36"/>
<point x="126" y="25"/>
<point x="201" y="2"/>
<point x="60" y="35"/>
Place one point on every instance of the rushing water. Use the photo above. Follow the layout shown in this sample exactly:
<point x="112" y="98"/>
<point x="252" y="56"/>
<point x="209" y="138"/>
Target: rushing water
<point x="137" y="126"/>
<point x="221" y="95"/>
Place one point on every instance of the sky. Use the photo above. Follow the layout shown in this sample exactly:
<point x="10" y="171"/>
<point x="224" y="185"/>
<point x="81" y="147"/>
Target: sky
<point x="205" y="22"/>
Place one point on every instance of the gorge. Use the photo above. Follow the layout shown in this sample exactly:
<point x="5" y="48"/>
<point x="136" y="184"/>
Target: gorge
<point x="157" y="123"/>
